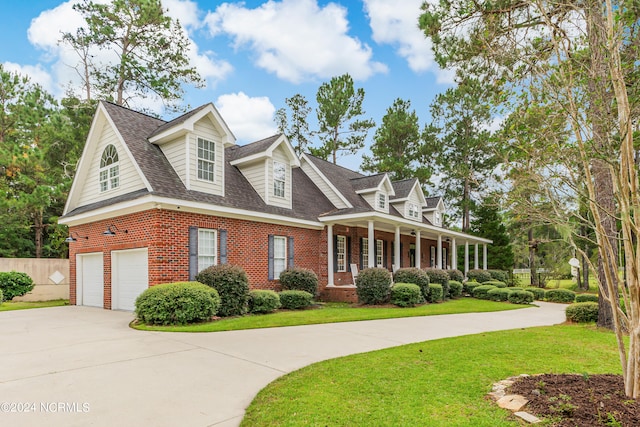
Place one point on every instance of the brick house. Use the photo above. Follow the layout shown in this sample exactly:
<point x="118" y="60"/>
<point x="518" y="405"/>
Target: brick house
<point x="155" y="202"/>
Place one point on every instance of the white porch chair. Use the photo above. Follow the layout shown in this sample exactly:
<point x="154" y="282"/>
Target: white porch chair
<point x="354" y="272"/>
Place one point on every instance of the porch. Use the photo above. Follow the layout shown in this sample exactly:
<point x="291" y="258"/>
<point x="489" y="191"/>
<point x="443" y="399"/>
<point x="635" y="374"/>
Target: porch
<point x="358" y="243"/>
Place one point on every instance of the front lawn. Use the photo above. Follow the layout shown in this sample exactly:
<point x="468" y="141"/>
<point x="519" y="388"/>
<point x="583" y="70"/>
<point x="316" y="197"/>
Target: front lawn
<point x="24" y="305"/>
<point x="334" y="312"/>
<point x="434" y="383"/>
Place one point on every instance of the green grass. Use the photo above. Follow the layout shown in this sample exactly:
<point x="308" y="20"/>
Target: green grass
<point x="332" y="313"/>
<point x="23" y="305"/>
<point x="434" y="383"/>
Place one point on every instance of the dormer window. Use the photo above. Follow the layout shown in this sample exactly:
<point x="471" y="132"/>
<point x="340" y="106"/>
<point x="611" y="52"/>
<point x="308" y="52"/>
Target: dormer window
<point x="206" y="160"/>
<point x="413" y="211"/>
<point x="279" y="179"/>
<point x="109" y="169"/>
<point x="382" y="201"/>
<point x="437" y="219"/>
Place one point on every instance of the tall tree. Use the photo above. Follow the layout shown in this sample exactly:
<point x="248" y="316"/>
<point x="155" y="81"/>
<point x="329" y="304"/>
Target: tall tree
<point x="488" y="223"/>
<point x="339" y="111"/>
<point x="458" y="145"/>
<point x="150" y="51"/>
<point x="578" y="58"/>
<point x="298" y="129"/>
<point x="37" y="159"/>
<point x="397" y="147"/>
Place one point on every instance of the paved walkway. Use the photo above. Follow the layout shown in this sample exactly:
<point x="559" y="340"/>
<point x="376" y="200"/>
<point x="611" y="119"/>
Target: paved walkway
<point x="80" y="366"/>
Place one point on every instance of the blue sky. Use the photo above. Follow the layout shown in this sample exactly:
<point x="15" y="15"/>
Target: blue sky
<point x="254" y="54"/>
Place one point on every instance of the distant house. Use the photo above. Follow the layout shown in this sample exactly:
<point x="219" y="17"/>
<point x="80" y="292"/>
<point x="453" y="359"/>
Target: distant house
<point x="155" y="202"/>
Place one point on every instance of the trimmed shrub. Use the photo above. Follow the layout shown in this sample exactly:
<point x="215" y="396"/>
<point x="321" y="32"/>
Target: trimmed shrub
<point x="438" y="275"/>
<point x="499" y="275"/>
<point x="538" y="293"/>
<point x="481" y="291"/>
<point x="415" y="276"/>
<point x="456" y="275"/>
<point x="560" y="295"/>
<point x="232" y="284"/>
<point x="520" y="297"/>
<point x="586" y="298"/>
<point x="435" y="292"/>
<point x="373" y="285"/>
<point x="177" y="303"/>
<point x="498" y="294"/>
<point x="496" y="283"/>
<point x="479" y="275"/>
<point x="516" y="288"/>
<point x="582" y="312"/>
<point x="14" y="284"/>
<point x="1" y="297"/>
<point x="455" y="289"/>
<point x="299" y="279"/>
<point x="294" y="300"/>
<point x="263" y="301"/>
<point x="406" y="294"/>
<point x="468" y="287"/>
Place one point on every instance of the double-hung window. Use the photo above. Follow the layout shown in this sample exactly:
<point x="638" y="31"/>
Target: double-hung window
<point x="206" y="160"/>
<point x="279" y="179"/>
<point x="207" y="248"/>
<point x="279" y="255"/>
<point x="109" y="169"/>
<point x="382" y="201"/>
<point x="341" y="253"/>
<point x="379" y="253"/>
<point x="413" y="210"/>
<point x="365" y="252"/>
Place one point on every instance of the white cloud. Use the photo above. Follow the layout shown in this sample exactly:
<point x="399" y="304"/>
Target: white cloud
<point x="296" y="39"/>
<point x="249" y="119"/>
<point x="46" y="31"/>
<point x="36" y="73"/>
<point x="398" y="26"/>
<point x="185" y="11"/>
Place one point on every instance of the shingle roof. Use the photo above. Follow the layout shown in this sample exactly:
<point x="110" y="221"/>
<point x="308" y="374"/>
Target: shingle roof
<point x="432" y="202"/>
<point x="403" y="188"/>
<point x="308" y="201"/>
<point x="367" y="182"/>
<point x="178" y="120"/>
<point x="341" y="178"/>
<point x="254" y="148"/>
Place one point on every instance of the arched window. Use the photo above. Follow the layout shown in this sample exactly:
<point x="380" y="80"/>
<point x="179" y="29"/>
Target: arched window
<point x="109" y="169"/>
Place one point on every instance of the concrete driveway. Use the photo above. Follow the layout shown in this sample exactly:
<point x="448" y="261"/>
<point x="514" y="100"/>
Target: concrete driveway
<point x="80" y="366"/>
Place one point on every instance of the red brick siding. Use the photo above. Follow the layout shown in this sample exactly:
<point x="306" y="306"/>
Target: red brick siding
<point x="166" y="235"/>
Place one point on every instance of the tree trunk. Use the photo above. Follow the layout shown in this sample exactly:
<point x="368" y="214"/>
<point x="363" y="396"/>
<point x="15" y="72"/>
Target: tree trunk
<point x="601" y="118"/>
<point x="466" y="220"/>
<point x="39" y="232"/>
<point x="533" y="273"/>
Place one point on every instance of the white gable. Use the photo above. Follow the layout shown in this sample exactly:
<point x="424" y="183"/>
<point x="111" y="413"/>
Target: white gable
<point x="86" y="187"/>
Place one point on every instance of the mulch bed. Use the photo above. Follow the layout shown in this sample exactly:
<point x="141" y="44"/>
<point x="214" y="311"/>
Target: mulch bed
<point x="578" y="400"/>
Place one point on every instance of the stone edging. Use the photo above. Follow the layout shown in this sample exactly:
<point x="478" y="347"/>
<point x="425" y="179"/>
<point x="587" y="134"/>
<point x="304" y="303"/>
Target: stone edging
<point x="513" y="402"/>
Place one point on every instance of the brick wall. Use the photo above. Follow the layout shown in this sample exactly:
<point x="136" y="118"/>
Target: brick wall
<point x="166" y="234"/>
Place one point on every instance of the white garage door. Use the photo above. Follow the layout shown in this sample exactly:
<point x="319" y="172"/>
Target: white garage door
<point x="129" y="277"/>
<point x="90" y="280"/>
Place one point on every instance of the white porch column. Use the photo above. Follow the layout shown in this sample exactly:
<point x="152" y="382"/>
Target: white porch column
<point x="330" y="267"/>
<point x="466" y="258"/>
<point x="418" y="250"/>
<point x="476" y="257"/>
<point x="484" y="256"/>
<point x="371" y="262"/>
<point x="439" y="252"/>
<point x="396" y="249"/>
<point x="454" y="254"/>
